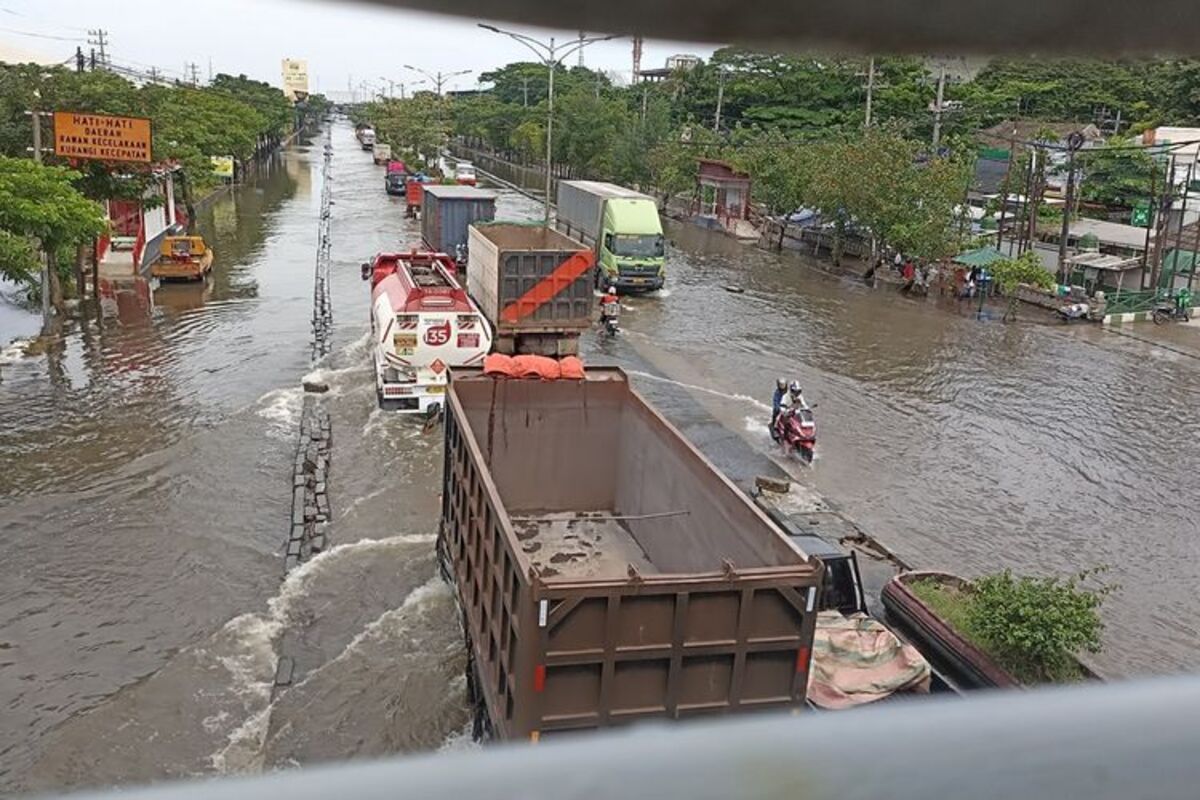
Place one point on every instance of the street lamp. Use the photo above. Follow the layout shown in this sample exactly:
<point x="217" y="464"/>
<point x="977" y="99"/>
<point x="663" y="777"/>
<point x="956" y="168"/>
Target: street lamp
<point x="551" y="56"/>
<point x="438" y="78"/>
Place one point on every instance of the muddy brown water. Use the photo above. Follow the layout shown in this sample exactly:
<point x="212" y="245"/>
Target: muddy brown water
<point x="144" y="482"/>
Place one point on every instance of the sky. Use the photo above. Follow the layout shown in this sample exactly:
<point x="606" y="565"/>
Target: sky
<point x="342" y="42"/>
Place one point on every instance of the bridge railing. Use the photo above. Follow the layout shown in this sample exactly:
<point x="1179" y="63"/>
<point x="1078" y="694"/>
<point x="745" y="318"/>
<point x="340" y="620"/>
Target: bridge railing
<point x="1102" y="742"/>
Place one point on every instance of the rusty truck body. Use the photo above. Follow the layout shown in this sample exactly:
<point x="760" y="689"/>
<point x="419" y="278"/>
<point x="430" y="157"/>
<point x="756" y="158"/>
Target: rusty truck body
<point x="533" y="284"/>
<point x="606" y="571"/>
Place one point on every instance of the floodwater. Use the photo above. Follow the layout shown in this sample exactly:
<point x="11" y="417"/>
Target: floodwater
<point x="145" y="483"/>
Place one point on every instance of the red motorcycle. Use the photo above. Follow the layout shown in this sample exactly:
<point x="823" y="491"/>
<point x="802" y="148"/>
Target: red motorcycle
<point x="796" y="429"/>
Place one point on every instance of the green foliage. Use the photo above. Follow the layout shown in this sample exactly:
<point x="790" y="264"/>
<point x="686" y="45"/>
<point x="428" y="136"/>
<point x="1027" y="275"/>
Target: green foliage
<point x="1116" y="175"/>
<point x="18" y="261"/>
<point x="39" y="201"/>
<point x="415" y="127"/>
<point x="1026" y="268"/>
<point x="1040" y="623"/>
<point x="1033" y="627"/>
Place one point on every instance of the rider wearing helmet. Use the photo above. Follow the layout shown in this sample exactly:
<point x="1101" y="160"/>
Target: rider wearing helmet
<point x="793" y="400"/>
<point x="777" y="401"/>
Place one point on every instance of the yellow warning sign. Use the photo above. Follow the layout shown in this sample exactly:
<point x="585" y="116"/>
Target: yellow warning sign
<point x="102" y="137"/>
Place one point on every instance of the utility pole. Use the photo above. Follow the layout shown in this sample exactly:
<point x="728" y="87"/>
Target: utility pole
<point x="154" y="75"/>
<point x="192" y="70"/>
<point x="1161" y="223"/>
<point x="99" y="38"/>
<point x="210" y="74"/>
<point x="643" y="105"/>
<point x="579" y="57"/>
<point x="720" y="99"/>
<point x="937" y="108"/>
<point x="79" y="61"/>
<point x="870" y="89"/>
<point x="1012" y="149"/>
<point x="1074" y="142"/>
<point x="525" y="90"/>
<point x="1187" y="188"/>
<point x="36" y="119"/>
<point x="637" y="58"/>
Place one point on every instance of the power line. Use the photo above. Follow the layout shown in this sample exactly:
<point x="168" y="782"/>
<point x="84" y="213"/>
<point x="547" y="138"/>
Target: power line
<point x="42" y="35"/>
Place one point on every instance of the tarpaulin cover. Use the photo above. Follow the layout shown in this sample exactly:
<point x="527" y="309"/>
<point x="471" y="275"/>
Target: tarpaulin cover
<point x="536" y="367"/>
<point x="857" y="660"/>
<point x="571" y="368"/>
<point x="499" y="364"/>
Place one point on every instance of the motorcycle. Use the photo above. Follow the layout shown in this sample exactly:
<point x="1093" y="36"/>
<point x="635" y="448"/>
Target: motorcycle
<point x="1169" y="312"/>
<point x="1074" y="312"/>
<point x="609" y="316"/>
<point x="796" y="429"/>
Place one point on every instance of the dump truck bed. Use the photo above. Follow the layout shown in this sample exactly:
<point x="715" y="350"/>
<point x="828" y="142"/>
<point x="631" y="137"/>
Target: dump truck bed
<point x="607" y="572"/>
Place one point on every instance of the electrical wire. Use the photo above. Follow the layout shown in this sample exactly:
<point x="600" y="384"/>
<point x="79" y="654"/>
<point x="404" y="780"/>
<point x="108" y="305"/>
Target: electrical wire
<point x="43" y="35"/>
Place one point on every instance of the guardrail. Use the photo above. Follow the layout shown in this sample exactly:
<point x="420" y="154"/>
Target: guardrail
<point x="1119" y="302"/>
<point x="1102" y="742"/>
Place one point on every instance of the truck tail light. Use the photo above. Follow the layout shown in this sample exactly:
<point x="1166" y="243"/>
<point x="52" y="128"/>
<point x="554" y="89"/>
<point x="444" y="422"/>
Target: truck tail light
<point x="539" y="677"/>
<point x="802" y="660"/>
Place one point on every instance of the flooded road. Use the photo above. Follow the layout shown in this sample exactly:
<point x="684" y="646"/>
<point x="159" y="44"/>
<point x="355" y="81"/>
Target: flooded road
<point x="145" y="481"/>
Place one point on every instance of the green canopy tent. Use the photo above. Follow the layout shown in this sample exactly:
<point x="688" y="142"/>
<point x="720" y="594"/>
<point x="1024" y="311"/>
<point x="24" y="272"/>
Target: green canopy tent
<point x="984" y="257"/>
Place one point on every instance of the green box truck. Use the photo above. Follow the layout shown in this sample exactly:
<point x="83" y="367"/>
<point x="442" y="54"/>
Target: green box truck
<point x="621" y="226"/>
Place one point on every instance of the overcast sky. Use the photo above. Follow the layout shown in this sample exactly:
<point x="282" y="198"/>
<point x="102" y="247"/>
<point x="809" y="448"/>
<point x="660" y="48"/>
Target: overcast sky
<point x="340" y="41"/>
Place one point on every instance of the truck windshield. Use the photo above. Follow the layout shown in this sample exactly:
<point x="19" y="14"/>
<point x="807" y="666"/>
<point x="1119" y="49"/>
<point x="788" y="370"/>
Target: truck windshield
<point x="644" y="246"/>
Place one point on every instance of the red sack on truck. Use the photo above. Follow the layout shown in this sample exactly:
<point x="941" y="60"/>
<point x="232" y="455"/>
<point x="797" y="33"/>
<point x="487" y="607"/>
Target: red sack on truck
<point x="571" y="368"/>
<point x="499" y="365"/>
<point x="536" y="367"/>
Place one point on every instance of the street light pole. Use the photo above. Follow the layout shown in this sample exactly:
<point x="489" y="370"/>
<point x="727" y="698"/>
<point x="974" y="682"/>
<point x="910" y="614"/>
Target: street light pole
<point x="438" y="78"/>
<point x="550" y="56"/>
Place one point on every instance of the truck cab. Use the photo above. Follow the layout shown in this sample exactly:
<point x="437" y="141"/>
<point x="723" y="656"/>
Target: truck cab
<point x="623" y="229"/>
<point x="632" y="245"/>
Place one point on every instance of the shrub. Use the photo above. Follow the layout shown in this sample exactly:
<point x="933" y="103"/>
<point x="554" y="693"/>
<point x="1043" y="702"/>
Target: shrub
<point x="1026" y="268"/>
<point x="1037" y="624"/>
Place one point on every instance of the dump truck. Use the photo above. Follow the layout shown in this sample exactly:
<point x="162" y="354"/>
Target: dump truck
<point x="449" y="211"/>
<point x="533" y="284"/>
<point x="606" y="571"/>
<point x="622" y="227"/>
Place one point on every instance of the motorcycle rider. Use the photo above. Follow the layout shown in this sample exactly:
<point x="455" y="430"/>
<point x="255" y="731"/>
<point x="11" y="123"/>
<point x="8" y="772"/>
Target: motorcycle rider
<point x="793" y="400"/>
<point x="781" y="387"/>
<point x="609" y="303"/>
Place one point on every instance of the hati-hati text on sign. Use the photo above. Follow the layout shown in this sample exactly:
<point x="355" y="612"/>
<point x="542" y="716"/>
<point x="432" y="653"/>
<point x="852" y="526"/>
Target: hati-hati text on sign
<point x="100" y="136"/>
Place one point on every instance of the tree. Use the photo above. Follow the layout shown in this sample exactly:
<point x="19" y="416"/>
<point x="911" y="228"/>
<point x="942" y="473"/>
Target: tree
<point x="18" y="260"/>
<point x="38" y="202"/>
<point x="1117" y="174"/>
<point x="585" y="128"/>
<point x="1026" y="268"/>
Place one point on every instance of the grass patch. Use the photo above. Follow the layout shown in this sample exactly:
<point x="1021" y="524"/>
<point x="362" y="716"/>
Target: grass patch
<point x="958" y="608"/>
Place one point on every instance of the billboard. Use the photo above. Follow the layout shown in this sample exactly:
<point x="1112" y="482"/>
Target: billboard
<point x="295" y="78"/>
<point x="101" y="136"/>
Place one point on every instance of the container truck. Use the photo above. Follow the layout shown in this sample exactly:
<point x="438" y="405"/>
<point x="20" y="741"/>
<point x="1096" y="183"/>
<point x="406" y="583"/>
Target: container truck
<point x="381" y="153"/>
<point x="449" y="212"/>
<point x="533" y="284"/>
<point x="622" y="227"/>
<point x="606" y="571"/>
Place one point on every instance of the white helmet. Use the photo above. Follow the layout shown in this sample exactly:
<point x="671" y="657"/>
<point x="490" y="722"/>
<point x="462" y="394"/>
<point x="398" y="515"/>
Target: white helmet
<point x="794" y="387"/>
